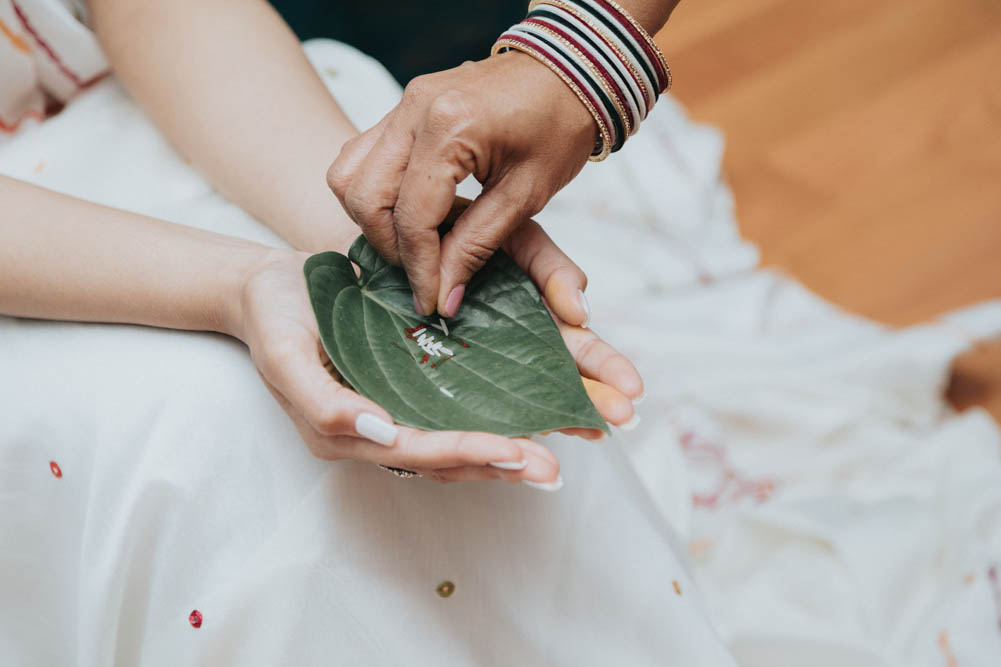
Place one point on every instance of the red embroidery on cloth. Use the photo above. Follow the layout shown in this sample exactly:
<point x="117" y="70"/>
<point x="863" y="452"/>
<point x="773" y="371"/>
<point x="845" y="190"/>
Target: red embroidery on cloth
<point x="195" y="618"/>
<point x="11" y="128"/>
<point x="60" y="65"/>
<point x="946" y="649"/>
<point x="56" y="470"/>
<point x="732" y="486"/>
<point x="18" y="42"/>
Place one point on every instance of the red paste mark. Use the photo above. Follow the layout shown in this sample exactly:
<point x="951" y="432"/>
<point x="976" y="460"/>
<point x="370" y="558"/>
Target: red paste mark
<point x="56" y="470"/>
<point x="992" y="576"/>
<point x="60" y="65"/>
<point x="946" y="649"/>
<point x="442" y="361"/>
<point x="461" y="342"/>
<point x="732" y="486"/>
<point x="195" y="618"/>
<point x="410" y="331"/>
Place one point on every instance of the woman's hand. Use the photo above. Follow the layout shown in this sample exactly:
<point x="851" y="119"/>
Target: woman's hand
<point x="508" y="121"/>
<point x="611" y="380"/>
<point x="277" y="323"/>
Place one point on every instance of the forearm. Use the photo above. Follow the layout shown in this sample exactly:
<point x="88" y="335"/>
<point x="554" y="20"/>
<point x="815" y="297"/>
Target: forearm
<point x="67" y="259"/>
<point x="228" y="84"/>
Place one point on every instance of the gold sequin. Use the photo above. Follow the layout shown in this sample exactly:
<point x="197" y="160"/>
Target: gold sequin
<point x="445" y="589"/>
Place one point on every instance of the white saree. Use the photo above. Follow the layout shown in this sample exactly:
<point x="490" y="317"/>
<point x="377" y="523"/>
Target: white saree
<point x="796" y="469"/>
<point x="148" y="475"/>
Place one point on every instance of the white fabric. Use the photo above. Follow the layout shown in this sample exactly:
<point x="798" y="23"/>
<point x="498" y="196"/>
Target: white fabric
<point x="46" y="52"/>
<point x="843" y="514"/>
<point x="185" y="487"/>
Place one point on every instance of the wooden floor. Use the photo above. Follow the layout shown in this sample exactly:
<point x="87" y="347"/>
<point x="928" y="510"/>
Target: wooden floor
<point x="863" y="147"/>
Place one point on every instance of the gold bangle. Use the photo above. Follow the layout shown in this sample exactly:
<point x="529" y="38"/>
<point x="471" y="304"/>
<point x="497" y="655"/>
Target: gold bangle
<point x="606" y="138"/>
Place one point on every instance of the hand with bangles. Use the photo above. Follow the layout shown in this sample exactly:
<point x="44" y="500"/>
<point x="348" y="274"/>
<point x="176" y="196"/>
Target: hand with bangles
<point x="572" y="80"/>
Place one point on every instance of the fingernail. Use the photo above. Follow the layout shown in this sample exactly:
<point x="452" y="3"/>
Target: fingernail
<point x="639" y="399"/>
<point x="454" y="300"/>
<point x="510" y="465"/>
<point x="545" y="486"/>
<point x="417" y="307"/>
<point x="586" y="306"/>
<point x="631" y="424"/>
<point x="376" y="429"/>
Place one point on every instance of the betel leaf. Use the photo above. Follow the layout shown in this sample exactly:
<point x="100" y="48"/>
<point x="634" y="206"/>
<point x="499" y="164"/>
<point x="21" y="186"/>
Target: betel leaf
<point x="503" y="367"/>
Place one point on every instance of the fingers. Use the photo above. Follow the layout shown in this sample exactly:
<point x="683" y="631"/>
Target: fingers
<point x="442" y="456"/>
<point x="440" y="161"/>
<point x="352" y="154"/>
<point x="328" y="407"/>
<point x="613" y="405"/>
<point x="557" y="277"/>
<point x="592" y="434"/>
<point x="599" y="361"/>
<point x="448" y="449"/>
<point x="448" y="148"/>
<point x="477" y="234"/>
<point x="541" y="468"/>
<point x="367" y="177"/>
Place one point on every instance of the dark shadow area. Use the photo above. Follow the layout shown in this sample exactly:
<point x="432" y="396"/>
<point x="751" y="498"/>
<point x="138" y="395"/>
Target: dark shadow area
<point x="408" y="38"/>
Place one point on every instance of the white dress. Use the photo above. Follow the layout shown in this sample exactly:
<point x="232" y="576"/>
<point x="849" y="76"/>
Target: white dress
<point x="159" y="507"/>
<point x="47" y="57"/>
<point x="837" y="511"/>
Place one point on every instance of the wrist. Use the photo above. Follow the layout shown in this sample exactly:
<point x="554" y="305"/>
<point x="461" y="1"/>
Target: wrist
<point x="560" y="101"/>
<point x="600" y="51"/>
<point x="235" y="277"/>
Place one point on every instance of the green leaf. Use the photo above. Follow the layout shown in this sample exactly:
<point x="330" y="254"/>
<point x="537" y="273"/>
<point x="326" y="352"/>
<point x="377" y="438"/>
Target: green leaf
<point x="503" y="367"/>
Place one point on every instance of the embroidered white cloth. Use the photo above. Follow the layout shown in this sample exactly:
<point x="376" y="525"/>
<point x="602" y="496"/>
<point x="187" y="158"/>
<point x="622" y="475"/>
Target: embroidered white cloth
<point x="47" y="55"/>
<point x="836" y="511"/>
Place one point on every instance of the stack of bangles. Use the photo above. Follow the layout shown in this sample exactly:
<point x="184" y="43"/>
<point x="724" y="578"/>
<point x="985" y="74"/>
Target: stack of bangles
<point x="602" y="54"/>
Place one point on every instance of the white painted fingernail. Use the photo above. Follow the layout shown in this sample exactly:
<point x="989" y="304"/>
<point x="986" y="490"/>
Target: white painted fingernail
<point x="586" y="306"/>
<point x="376" y="429"/>
<point x="631" y="424"/>
<point x="510" y="465"/>
<point x="639" y="399"/>
<point x="545" y="486"/>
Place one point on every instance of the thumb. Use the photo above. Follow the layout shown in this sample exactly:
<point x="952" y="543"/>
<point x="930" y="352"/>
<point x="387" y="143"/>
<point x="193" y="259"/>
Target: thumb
<point x="477" y="234"/>
<point x="329" y="407"/>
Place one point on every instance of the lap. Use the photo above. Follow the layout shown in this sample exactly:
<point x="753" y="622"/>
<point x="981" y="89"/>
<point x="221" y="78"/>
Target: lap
<point x="183" y="486"/>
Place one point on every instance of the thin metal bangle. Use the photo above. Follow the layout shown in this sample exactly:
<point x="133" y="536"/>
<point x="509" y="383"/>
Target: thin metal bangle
<point x="648" y="87"/>
<point x="649" y="41"/>
<point x="605" y="137"/>
<point x="616" y="98"/>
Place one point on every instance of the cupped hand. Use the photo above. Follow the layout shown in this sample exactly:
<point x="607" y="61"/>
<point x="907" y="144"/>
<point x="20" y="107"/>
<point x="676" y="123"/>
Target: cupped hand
<point x="276" y="322"/>
<point x="508" y="121"/>
<point x="611" y="380"/>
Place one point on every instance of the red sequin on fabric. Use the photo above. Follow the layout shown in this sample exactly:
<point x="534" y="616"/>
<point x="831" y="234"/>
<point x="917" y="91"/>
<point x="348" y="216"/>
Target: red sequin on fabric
<point x="195" y="618"/>
<point x="56" y="470"/>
